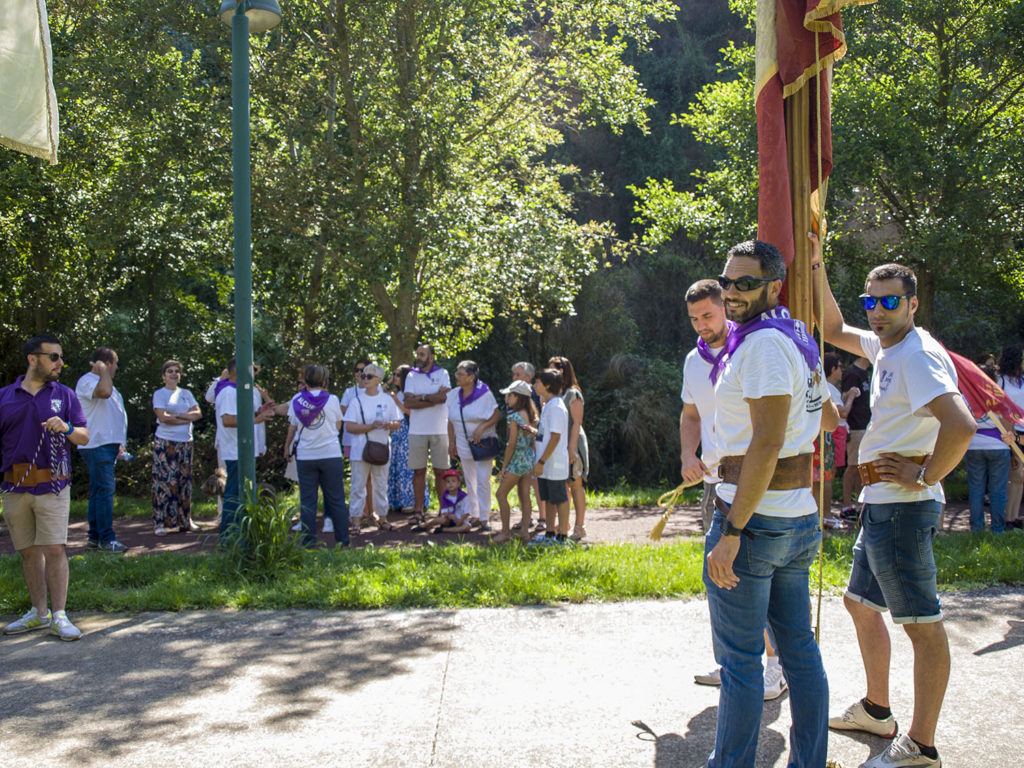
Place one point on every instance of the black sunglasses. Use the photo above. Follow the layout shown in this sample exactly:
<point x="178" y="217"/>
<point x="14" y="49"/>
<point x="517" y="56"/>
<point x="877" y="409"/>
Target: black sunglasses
<point x="367" y="376"/>
<point x="54" y="356"/>
<point x="887" y="302"/>
<point x="745" y="283"/>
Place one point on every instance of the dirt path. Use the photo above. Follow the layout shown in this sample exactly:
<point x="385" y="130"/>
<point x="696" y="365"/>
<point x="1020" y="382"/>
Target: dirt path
<point x="605" y="525"/>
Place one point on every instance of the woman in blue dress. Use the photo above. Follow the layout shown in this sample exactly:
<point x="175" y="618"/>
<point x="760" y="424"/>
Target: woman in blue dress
<point x="400" y="492"/>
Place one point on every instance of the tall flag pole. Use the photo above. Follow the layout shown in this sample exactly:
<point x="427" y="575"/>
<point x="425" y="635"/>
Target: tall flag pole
<point x="28" y="119"/>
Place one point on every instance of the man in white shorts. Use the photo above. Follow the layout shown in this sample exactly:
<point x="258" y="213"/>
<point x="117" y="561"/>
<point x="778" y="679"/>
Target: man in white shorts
<point x="425" y="389"/>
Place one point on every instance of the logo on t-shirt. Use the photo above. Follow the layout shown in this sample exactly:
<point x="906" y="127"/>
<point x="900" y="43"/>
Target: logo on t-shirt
<point x="55" y="404"/>
<point x="885" y="378"/>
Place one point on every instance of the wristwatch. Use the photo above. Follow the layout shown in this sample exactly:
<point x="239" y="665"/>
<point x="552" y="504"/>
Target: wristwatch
<point x="920" y="481"/>
<point x="728" y="529"/>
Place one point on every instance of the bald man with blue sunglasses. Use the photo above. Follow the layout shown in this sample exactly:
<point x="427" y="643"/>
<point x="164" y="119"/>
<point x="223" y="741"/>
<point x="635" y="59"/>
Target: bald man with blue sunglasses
<point x="919" y="431"/>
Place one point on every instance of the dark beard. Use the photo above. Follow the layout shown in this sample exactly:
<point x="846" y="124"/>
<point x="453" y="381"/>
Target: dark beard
<point x="755" y="308"/>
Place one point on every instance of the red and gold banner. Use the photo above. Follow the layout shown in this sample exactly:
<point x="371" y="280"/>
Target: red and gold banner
<point x="796" y="40"/>
<point x="981" y="393"/>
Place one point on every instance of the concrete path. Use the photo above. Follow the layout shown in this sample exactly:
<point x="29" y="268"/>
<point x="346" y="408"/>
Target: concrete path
<point x="561" y="686"/>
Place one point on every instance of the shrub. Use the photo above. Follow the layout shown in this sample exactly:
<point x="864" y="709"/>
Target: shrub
<point x="263" y="544"/>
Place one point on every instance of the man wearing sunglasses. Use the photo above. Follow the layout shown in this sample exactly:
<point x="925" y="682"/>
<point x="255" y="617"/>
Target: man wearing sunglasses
<point x="108" y="431"/>
<point x="770" y="401"/>
<point x="919" y="431"/>
<point x="37" y="417"/>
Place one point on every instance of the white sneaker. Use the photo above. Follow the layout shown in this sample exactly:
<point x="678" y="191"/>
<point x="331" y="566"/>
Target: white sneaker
<point x="774" y="682"/>
<point x="902" y="752"/>
<point x="856" y="718"/>
<point x="297" y="527"/>
<point x="62" y="627"/>
<point x="328" y="525"/>
<point x="31" y="620"/>
<point x="713" y="677"/>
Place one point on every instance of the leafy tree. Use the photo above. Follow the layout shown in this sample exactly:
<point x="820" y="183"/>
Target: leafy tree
<point x="928" y="129"/>
<point x="406" y="156"/>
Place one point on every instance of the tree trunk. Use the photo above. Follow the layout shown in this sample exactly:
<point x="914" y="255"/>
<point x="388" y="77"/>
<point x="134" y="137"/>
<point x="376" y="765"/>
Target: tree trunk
<point x="925" y="296"/>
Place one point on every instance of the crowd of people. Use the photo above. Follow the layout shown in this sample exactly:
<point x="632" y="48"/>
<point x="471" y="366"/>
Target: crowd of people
<point x="389" y="427"/>
<point x="756" y="394"/>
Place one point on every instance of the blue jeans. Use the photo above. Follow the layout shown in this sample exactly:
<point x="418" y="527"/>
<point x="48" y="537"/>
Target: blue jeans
<point x="987" y="470"/>
<point x="229" y="511"/>
<point x="773" y="587"/>
<point x="328" y="476"/>
<point x="100" y="462"/>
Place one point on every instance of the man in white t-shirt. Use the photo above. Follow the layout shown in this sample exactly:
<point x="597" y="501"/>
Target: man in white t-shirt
<point x="426" y="388"/>
<point x="697" y="428"/>
<point x="226" y="404"/>
<point x="108" y="431"/>
<point x="769" y="406"/>
<point x="697" y="419"/>
<point x="919" y="431"/>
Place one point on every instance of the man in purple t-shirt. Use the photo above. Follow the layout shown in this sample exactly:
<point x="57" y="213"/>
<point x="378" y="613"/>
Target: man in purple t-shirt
<point x="38" y="418"/>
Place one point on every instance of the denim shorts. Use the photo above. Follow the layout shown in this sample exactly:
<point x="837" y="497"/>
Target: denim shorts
<point x="893" y="561"/>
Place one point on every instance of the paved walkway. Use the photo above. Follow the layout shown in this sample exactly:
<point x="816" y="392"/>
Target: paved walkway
<point x="603" y="685"/>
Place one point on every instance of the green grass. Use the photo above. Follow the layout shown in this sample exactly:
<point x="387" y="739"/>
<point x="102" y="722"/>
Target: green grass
<point x="461" y="576"/>
<point x="623" y="495"/>
<point x="142" y="507"/>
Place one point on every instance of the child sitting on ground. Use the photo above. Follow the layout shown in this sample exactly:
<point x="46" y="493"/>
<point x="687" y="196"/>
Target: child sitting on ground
<point x="454" y="514"/>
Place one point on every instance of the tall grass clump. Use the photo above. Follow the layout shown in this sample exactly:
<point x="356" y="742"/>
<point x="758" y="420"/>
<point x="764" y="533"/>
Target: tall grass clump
<point x="262" y="544"/>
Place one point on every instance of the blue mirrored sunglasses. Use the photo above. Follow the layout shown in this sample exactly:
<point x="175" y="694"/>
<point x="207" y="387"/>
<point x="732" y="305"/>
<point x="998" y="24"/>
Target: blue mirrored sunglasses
<point x="888" y="302"/>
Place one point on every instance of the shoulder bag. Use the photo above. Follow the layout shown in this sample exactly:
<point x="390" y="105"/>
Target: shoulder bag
<point x="373" y="452"/>
<point x="487" y="448"/>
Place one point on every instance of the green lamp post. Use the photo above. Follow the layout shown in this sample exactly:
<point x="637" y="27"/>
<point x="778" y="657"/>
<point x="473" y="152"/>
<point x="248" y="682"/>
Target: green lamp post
<point x="244" y="16"/>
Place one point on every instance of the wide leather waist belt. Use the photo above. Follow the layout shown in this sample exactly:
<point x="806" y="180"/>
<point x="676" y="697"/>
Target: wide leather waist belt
<point x="34" y="477"/>
<point x="869" y="475"/>
<point x="790" y="473"/>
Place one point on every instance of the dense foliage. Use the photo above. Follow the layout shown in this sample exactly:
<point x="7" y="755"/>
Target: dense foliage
<point x="467" y="173"/>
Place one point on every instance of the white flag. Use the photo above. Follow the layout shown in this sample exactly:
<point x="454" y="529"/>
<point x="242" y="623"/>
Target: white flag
<point x="28" y="102"/>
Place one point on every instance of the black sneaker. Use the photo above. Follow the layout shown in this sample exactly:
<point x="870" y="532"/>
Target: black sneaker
<point x="92" y="544"/>
<point x="849" y="513"/>
<point x="114" y="547"/>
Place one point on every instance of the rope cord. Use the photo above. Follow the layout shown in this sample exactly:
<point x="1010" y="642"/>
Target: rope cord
<point x="60" y="462"/>
<point x="821" y="344"/>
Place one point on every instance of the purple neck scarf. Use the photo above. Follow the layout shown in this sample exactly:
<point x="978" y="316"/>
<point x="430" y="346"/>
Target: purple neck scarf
<point x="709" y="355"/>
<point x="448" y="505"/>
<point x="307" y="406"/>
<point x="479" y="390"/>
<point x="221" y="386"/>
<point x="434" y="367"/>
<point x="777" y="318"/>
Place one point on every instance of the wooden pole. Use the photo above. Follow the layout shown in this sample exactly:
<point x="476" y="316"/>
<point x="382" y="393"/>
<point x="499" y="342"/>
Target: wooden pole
<point x="798" y="282"/>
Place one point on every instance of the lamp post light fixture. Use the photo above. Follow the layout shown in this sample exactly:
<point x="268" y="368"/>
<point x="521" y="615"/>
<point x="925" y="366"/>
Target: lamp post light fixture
<point x="244" y="16"/>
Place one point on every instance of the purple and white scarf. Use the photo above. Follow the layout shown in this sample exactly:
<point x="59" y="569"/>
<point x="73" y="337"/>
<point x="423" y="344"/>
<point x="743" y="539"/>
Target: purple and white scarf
<point x="707" y="354"/>
<point x="777" y="318"/>
<point x="308" y="406"/>
<point x="434" y="367"/>
<point x="449" y="505"/>
<point x="479" y="390"/>
<point x="221" y="385"/>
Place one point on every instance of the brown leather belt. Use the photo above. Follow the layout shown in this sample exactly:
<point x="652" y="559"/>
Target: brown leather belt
<point x="34" y="477"/>
<point x="869" y="475"/>
<point x="790" y="473"/>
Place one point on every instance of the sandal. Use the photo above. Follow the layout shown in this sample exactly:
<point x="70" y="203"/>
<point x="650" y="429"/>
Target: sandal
<point x="159" y="531"/>
<point x="384" y="525"/>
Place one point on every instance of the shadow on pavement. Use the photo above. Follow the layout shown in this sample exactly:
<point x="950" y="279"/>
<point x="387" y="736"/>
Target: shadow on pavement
<point x="150" y="678"/>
